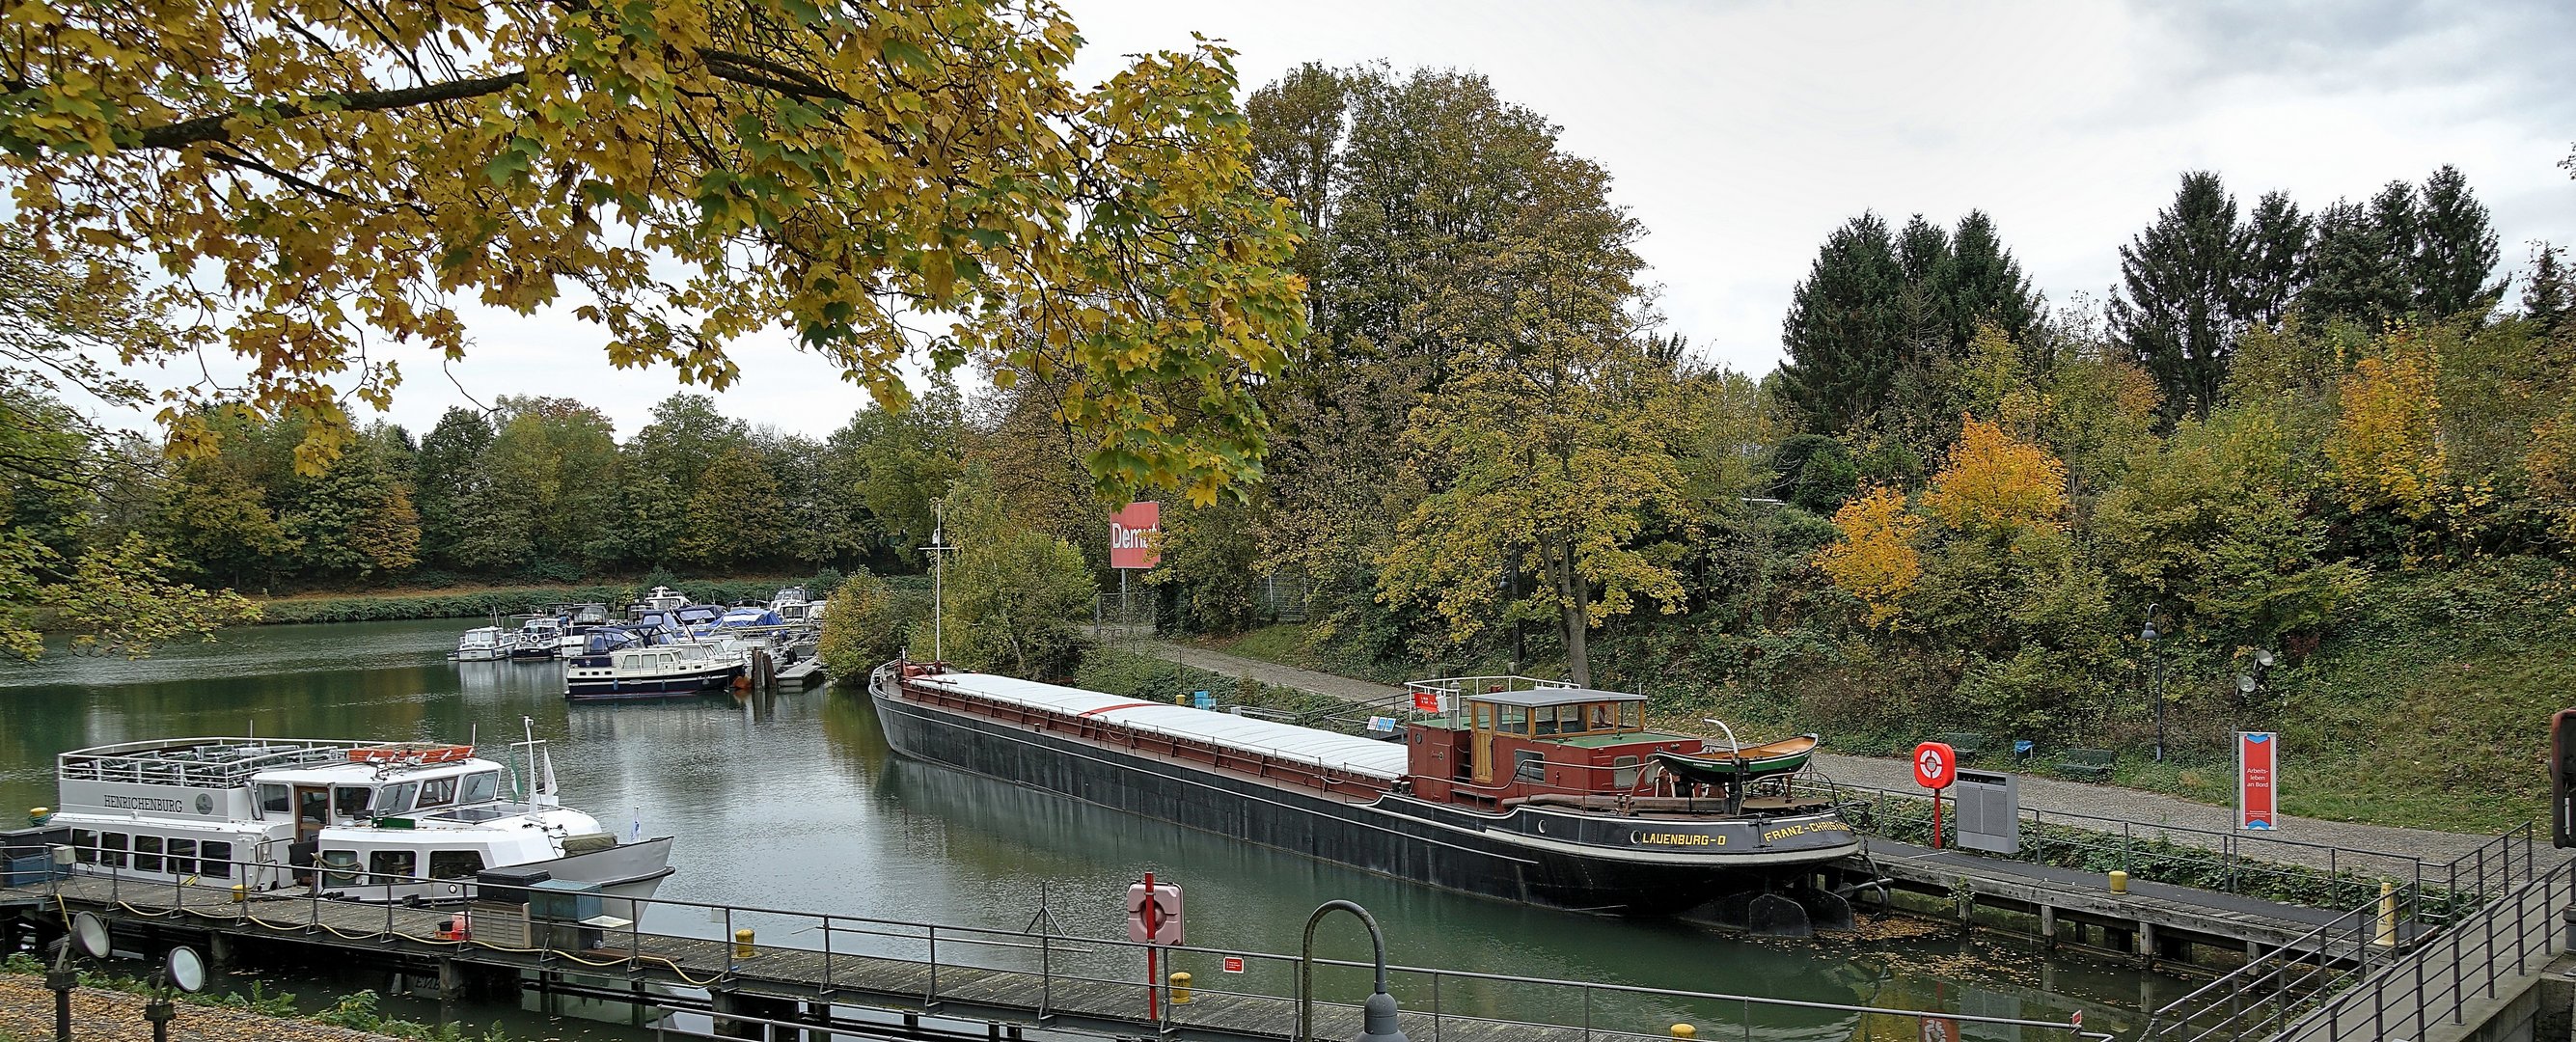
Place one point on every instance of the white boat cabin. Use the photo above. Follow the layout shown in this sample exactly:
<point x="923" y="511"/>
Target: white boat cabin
<point x="374" y="821"/>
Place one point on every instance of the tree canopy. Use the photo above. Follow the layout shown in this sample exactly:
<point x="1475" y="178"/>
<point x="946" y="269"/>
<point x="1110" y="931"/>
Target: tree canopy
<point x="885" y="180"/>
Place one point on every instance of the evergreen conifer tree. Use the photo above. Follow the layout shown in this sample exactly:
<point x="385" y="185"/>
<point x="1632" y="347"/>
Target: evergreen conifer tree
<point x="2357" y="266"/>
<point x="2550" y="293"/>
<point x="2456" y="251"/>
<point x="1843" y="324"/>
<point x="2276" y="260"/>
<point x="2178" y="307"/>
<point x="1987" y="284"/>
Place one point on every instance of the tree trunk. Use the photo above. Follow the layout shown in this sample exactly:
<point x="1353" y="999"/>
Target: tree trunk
<point x="1574" y="608"/>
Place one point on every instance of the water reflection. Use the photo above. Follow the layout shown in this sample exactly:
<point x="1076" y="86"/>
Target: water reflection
<point x="795" y="801"/>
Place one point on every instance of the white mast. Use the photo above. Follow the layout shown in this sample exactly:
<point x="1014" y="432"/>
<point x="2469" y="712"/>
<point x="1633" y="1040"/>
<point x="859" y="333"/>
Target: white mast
<point x="938" y="583"/>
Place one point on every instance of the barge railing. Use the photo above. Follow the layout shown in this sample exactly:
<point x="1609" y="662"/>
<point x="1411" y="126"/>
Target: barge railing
<point x="1037" y="976"/>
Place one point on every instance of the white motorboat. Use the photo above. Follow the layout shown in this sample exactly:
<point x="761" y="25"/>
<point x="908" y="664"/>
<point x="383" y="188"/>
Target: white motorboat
<point x="794" y="608"/>
<point x="652" y="671"/>
<point x="366" y="821"/>
<point x="540" y="637"/>
<point x="482" y="644"/>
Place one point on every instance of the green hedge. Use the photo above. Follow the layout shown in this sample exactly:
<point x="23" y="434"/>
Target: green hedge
<point x="513" y="599"/>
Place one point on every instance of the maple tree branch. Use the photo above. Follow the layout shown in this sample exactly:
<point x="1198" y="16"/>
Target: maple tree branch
<point x="211" y="128"/>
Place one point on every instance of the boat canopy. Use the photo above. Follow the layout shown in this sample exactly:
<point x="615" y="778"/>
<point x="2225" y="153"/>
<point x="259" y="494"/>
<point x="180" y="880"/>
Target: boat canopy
<point x="751" y="617"/>
<point x="1306" y="745"/>
<point x="1549" y="696"/>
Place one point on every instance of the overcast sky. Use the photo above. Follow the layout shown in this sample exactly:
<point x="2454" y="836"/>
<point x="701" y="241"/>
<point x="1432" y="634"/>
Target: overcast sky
<point x="1740" y="134"/>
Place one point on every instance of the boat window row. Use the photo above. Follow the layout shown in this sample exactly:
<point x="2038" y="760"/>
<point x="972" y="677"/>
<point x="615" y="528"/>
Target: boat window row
<point x="342" y="868"/>
<point x="209" y="859"/>
<point x="354" y="803"/>
<point x="1557" y="721"/>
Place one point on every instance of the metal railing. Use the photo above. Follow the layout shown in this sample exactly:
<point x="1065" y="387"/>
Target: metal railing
<point x="2410" y="986"/>
<point x="2406" y="924"/>
<point x="1080" y="981"/>
<point x="2246" y="863"/>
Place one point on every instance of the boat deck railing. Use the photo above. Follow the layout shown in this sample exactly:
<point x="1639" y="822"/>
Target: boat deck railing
<point x="201" y="762"/>
<point x="1452" y="687"/>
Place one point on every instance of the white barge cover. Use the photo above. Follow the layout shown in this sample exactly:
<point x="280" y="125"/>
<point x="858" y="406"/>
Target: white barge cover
<point x="1307" y="745"/>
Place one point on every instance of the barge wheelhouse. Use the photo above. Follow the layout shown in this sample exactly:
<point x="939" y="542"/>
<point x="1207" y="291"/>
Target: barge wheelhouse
<point x="1520" y="790"/>
<point x="367" y="821"/>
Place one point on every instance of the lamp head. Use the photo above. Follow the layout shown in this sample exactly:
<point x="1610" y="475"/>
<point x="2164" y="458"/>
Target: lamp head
<point x="2244" y="683"/>
<point x="2263" y="657"/>
<point x="2148" y="633"/>
<point x="1377" y="1020"/>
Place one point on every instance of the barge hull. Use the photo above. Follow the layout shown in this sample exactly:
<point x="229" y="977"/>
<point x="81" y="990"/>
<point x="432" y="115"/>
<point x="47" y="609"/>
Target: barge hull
<point x="1392" y="836"/>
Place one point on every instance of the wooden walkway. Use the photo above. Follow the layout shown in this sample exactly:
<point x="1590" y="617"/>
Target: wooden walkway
<point x="415" y="937"/>
<point x="2153" y="915"/>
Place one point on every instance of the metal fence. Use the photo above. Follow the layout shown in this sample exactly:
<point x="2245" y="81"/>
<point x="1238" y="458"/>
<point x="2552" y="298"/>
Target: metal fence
<point x="2496" y="904"/>
<point x="1070" y="984"/>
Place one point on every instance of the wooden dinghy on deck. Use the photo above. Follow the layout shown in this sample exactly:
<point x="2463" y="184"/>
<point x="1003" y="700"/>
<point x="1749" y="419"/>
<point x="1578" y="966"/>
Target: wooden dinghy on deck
<point x="1749" y="763"/>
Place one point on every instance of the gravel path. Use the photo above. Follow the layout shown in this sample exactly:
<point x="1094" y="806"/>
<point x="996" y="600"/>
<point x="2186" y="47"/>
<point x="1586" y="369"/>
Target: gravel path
<point x="2304" y="838"/>
<point x="100" y="1015"/>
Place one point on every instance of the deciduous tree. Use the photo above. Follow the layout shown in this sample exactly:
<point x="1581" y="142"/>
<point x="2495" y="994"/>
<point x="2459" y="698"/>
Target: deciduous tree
<point x="676" y="174"/>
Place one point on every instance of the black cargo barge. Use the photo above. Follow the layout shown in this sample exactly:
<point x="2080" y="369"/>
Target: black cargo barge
<point x="1560" y="830"/>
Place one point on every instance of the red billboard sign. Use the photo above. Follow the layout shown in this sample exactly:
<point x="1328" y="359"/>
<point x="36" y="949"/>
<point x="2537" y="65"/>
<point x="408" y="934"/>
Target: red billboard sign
<point x="1426" y="700"/>
<point x="1131" y="536"/>
<point x="2257" y="780"/>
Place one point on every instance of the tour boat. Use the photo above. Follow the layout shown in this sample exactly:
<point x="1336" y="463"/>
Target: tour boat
<point x="365" y="821"/>
<point x="651" y="671"/>
<point x="482" y="644"/>
<point x="1520" y="789"/>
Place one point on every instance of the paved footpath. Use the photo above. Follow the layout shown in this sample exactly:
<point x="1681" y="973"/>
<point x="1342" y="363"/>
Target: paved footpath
<point x="2042" y="793"/>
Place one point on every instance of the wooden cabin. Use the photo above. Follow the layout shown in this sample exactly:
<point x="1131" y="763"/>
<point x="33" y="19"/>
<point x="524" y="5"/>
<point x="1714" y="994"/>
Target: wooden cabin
<point x="1500" y="745"/>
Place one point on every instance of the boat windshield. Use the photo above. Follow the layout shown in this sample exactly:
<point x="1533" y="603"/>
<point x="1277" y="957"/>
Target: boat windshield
<point x="350" y="803"/>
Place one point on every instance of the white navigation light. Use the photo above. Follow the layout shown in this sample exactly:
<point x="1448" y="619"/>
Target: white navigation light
<point x="89" y="934"/>
<point x="187" y="972"/>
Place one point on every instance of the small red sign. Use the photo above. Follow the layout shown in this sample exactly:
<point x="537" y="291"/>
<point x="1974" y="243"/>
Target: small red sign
<point x="1935" y="766"/>
<point x="1426" y="701"/>
<point x="1132" y="532"/>
<point x="2257" y="780"/>
<point x="1234" y="964"/>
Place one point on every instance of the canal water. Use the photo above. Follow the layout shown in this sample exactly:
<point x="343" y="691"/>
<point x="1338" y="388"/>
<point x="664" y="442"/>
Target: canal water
<point x="795" y="802"/>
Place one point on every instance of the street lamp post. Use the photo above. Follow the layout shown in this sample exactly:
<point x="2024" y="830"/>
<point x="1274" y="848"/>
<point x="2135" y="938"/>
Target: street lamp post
<point x="2158" y="652"/>
<point x="2247" y="683"/>
<point x="1377" y="1018"/>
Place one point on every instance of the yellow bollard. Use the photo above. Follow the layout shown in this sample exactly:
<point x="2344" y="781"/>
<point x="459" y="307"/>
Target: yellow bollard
<point x="2119" y="882"/>
<point x="742" y="948"/>
<point x="39" y="815"/>
<point x="2387" y="935"/>
<point x="1180" y="989"/>
<point x="1685" y="1031"/>
<point x="1181" y="699"/>
<point x="241" y="892"/>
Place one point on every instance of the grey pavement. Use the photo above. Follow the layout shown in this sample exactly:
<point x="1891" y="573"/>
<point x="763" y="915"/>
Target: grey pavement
<point x="2298" y="841"/>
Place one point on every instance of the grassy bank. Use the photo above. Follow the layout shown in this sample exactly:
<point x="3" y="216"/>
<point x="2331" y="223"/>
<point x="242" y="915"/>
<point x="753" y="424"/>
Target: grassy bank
<point x="110" y="1007"/>
<point x="483" y="601"/>
<point x="2427" y="706"/>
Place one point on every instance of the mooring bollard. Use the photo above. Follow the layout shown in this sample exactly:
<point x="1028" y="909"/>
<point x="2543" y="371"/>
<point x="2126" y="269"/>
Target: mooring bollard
<point x="1180" y="989"/>
<point x="742" y="948"/>
<point x="2386" y="936"/>
<point x="2119" y="882"/>
<point x="1685" y="1031"/>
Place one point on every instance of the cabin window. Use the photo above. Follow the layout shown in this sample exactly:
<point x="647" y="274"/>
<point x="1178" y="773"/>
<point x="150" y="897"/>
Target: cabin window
<point x="183" y="857"/>
<point x="339" y="868"/>
<point x="393" y="866"/>
<point x="85" y="846"/>
<point x="1529" y="765"/>
<point x="1632" y="716"/>
<point x="1623" y="773"/>
<point x="1515" y="720"/>
<point x="215" y="859"/>
<point x="273" y="800"/>
<point x="396" y="799"/>
<point x="350" y="803"/>
<point x="481" y="788"/>
<point x="313" y="806"/>
<point x="1601" y="716"/>
<point x="147" y="853"/>
<point x="1545" y="720"/>
<point x="454" y="864"/>
<point x="437" y="792"/>
<point x="111" y="849"/>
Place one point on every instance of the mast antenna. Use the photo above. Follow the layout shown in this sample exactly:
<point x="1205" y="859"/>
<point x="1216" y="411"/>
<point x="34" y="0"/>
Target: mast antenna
<point x="938" y="582"/>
